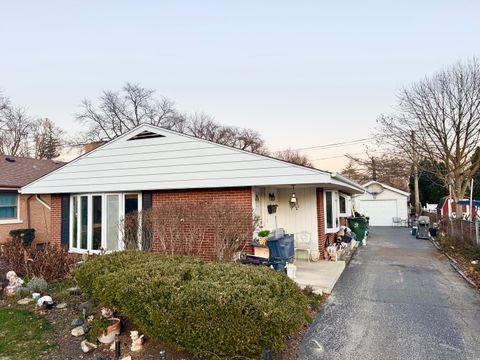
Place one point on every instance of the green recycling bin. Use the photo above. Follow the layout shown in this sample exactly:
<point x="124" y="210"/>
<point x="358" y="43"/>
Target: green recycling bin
<point x="359" y="226"/>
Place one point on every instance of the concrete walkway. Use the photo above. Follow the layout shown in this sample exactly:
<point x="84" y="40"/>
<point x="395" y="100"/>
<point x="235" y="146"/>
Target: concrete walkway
<point x="398" y="299"/>
<point x="321" y="276"/>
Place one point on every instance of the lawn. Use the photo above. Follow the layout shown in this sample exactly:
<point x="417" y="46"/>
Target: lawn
<point x="23" y="334"/>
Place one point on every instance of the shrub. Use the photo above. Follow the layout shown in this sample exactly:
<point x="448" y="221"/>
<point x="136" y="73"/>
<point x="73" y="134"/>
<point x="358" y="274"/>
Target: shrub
<point x="50" y="263"/>
<point x="221" y="308"/>
<point x="24" y="235"/>
<point x="37" y="285"/>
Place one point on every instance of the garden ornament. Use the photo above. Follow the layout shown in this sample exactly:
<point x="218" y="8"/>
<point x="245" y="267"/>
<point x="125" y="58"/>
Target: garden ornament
<point x="137" y="341"/>
<point x="43" y="300"/>
<point x="14" y="282"/>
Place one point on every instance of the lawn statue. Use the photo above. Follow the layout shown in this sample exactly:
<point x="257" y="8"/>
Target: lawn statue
<point x="137" y="341"/>
<point x="14" y="282"/>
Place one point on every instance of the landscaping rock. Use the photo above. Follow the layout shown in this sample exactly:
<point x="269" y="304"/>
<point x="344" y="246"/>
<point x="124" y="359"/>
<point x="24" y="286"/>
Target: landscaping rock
<point x="78" y="331"/>
<point x="127" y="358"/>
<point x="62" y="306"/>
<point x="25" y="301"/>
<point x="77" y="322"/>
<point x="87" y="346"/>
<point x="87" y="305"/>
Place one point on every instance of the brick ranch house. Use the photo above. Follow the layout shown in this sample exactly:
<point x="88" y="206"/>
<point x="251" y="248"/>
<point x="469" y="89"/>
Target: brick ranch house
<point x="19" y="211"/>
<point x="148" y="166"/>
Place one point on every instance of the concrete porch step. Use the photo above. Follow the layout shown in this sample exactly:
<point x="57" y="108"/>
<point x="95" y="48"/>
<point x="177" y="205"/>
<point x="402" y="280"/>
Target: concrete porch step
<point x="321" y="276"/>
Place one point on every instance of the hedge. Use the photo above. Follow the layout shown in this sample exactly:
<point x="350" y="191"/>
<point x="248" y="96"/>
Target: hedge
<point x="205" y="308"/>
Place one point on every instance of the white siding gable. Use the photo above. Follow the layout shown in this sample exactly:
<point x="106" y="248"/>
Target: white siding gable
<point x="174" y="161"/>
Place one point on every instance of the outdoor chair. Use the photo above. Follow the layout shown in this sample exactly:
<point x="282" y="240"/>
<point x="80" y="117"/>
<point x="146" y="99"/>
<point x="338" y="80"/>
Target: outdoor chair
<point x="396" y="221"/>
<point x="303" y="242"/>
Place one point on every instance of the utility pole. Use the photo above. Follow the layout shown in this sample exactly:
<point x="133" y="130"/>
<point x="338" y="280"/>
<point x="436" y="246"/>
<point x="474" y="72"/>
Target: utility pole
<point x="415" y="176"/>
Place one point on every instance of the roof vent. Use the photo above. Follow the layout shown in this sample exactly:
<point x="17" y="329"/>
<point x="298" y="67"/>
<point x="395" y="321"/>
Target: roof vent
<point x="10" y="160"/>
<point x="146" y="135"/>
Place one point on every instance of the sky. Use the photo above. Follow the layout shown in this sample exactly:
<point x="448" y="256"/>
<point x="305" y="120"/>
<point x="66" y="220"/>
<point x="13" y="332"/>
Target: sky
<point x="301" y="73"/>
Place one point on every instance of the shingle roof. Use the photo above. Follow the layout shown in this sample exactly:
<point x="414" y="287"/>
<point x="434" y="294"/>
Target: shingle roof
<point x="16" y="171"/>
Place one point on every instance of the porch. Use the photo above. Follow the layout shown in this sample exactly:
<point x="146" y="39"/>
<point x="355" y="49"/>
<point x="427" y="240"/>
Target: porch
<point x="321" y="276"/>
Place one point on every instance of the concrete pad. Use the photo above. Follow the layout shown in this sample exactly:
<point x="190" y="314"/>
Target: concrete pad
<point x="321" y="276"/>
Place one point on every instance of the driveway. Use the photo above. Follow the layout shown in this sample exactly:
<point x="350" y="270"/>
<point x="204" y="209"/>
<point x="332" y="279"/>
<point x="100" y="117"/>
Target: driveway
<point x="398" y="299"/>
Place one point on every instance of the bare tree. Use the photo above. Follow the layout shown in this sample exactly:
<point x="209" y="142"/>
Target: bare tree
<point x="439" y="121"/>
<point x="14" y="132"/>
<point x="120" y="111"/>
<point x="387" y="168"/>
<point x="293" y="156"/>
<point x="47" y="139"/>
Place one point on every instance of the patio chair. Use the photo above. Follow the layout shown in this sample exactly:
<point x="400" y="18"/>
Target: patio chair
<point x="303" y="242"/>
<point x="396" y="221"/>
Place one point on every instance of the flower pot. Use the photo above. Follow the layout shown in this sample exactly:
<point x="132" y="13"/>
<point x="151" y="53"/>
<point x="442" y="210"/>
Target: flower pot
<point x="108" y="336"/>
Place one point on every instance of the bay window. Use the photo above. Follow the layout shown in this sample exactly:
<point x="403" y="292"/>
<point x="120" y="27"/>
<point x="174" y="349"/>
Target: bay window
<point x="331" y="211"/>
<point x="95" y="220"/>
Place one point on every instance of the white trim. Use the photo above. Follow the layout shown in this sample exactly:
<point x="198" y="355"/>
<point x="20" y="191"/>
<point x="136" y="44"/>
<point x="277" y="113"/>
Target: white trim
<point x="335" y="211"/>
<point x="14" y="220"/>
<point x="340" y="213"/>
<point x="121" y="215"/>
<point x="42" y="202"/>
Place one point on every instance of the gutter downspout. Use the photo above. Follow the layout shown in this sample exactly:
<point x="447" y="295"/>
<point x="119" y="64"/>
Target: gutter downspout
<point x="42" y="202"/>
<point x="28" y="211"/>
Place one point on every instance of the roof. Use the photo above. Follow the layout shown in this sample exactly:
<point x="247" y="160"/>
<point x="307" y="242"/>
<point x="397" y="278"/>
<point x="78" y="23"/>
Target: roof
<point x="386" y="187"/>
<point x="16" y="171"/>
<point x="152" y="158"/>
<point x="467" y="202"/>
<point x="441" y="202"/>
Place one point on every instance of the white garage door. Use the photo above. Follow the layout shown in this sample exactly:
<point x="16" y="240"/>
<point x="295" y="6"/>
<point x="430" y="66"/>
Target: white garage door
<point x="380" y="212"/>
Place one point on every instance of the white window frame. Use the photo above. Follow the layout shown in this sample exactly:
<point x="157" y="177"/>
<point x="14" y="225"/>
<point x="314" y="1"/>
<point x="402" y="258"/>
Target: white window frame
<point x="121" y="215"/>
<point x="335" y="211"/>
<point x="346" y="197"/>
<point x="14" y="220"/>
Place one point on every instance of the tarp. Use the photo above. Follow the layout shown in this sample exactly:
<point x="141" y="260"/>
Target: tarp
<point x="467" y="202"/>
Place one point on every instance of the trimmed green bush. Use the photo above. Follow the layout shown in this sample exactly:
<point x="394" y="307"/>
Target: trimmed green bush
<point x="206" y="308"/>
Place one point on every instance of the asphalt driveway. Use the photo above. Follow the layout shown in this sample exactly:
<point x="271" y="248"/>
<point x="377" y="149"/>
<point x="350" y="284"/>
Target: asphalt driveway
<point x="398" y="299"/>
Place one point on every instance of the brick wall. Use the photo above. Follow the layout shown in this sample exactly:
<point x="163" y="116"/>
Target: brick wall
<point x="241" y="197"/>
<point x="39" y="219"/>
<point x="56" y="219"/>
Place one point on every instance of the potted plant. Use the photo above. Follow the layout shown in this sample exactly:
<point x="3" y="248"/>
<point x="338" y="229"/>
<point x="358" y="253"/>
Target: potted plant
<point x="104" y="330"/>
<point x="262" y="236"/>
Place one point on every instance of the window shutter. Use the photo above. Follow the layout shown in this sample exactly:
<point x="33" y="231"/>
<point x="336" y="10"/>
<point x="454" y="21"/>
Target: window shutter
<point x="146" y="235"/>
<point x="65" y="222"/>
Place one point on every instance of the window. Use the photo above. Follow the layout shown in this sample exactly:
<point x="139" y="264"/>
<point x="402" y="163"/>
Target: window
<point x="331" y="211"/>
<point x="95" y="220"/>
<point x="8" y="206"/>
<point x="342" y="203"/>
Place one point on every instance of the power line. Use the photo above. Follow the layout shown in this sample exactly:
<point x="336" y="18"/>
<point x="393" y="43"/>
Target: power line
<point x="335" y="157"/>
<point x="337" y="144"/>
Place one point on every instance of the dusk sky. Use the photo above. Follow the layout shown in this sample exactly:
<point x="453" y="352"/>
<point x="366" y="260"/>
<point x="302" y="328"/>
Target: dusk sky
<point x="302" y="73"/>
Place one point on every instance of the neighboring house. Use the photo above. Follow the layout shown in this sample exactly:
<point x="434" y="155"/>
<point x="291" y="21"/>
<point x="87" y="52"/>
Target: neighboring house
<point x="23" y="211"/>
<point x="149" y="166"/>
<point x="381" y="203"/>
<point x="447" y="207"/>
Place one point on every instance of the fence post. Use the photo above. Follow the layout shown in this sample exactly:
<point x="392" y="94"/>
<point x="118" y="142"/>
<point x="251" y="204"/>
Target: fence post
<point x="477" y="232"/>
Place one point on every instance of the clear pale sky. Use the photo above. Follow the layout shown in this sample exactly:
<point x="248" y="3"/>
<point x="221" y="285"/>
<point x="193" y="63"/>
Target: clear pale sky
<point x="302" y="73"/>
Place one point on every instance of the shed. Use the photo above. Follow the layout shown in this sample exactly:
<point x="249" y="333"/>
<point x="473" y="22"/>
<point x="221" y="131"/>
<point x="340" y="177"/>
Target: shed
<point x="382" y="203"/>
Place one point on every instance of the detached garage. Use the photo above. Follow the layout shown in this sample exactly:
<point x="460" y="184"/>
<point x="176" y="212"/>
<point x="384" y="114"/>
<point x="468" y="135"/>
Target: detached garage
<point x="382" y="203"/>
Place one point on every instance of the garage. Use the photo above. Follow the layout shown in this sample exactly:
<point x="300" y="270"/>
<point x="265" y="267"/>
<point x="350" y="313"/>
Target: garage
<point x="381" y="203"/>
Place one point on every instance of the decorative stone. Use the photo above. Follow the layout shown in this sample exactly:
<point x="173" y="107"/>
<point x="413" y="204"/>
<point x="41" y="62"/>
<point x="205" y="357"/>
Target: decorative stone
<point x="78" y="331"/>
<point x="62" y="305"/>
<point x="87" y="346"/>
<point x="14" y="282"/>
<point x="127" y="358"/>
<point x="24" y="301"/>
<point x="44" y="299"/>
<point x="77" y="322"/>
<point x="86" y="328"/>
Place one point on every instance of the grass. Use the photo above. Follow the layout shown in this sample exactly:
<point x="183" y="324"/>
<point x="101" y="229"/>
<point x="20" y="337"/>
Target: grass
<point x="23" y="334"/>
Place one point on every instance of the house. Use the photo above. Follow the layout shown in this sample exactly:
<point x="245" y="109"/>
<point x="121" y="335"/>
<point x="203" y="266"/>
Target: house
<point x="24" y="211"/>
<point x="381" y="203"/>
<point x="148" y="166"/>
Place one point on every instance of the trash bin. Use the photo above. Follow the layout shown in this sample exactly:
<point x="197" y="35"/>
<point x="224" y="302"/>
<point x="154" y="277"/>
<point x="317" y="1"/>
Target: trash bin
<point x="282" y="250"/>
<point x="358" y="225"/>
<point x="423" y="227"/>
<point x="414" y="231"/>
